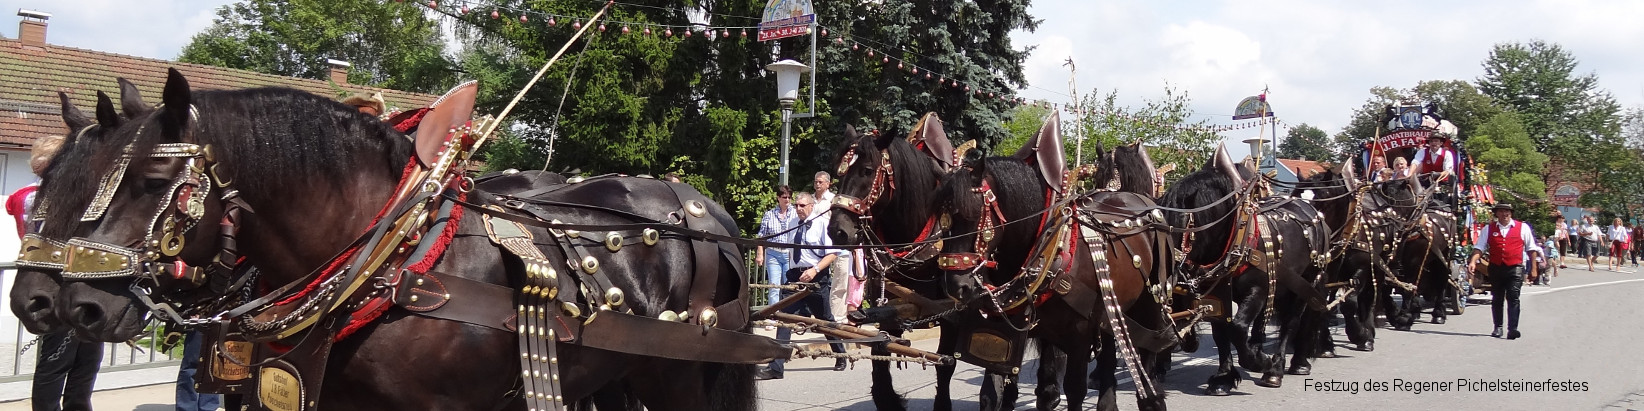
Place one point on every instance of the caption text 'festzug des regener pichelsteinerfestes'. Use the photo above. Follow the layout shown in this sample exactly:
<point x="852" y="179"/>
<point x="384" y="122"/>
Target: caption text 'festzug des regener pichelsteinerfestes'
<point x="1400" y="385"/>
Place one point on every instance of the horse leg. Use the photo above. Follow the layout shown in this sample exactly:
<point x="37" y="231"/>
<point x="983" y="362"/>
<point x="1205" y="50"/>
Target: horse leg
<point x="1054" y="364"/>
<point x="883" y="390"/>
<point x="1290" y="322"/>
<point x="994" y="386"/>
<point x="1106" y="384"/>
<point x="1314" y="336"/>
<point x="1439" y="282"/>
<point x="1227" y="377"/>
<point x="1074" y="380"/>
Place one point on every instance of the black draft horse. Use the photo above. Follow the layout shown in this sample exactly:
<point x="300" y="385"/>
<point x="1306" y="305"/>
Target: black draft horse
<point x="1270" y="272"/>
<point x="884" y="197"/>
<point x="1423" y="255"/>
<point x="1358" y="246"/>
<point x="315" y="172"/>
<point x="986" y="253"/>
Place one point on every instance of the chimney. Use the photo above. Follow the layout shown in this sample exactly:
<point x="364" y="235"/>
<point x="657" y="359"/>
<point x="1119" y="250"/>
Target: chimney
<point x="339" y="70"/>
<point x="32" y="30"/>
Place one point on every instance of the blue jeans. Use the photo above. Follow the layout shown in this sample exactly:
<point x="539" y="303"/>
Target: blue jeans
<point x="187" y="398"/>
<point x="776" y="267"/>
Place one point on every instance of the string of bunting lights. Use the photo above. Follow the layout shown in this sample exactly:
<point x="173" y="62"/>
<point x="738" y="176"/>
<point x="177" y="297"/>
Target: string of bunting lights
<point x="834" y="39"/>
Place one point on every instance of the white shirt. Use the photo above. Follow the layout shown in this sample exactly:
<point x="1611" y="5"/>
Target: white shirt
<point x="1591" y="232"/>
<point x="1421" y="158"/>
<point x="1620" y="233"/>
<point x="1498" y="230"/>
<point x="816" y="234"/>
<point x="824" y="203"/>
<point x="1562" y="230"/>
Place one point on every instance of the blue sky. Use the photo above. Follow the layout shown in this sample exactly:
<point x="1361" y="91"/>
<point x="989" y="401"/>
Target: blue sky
<point x="1318" y="58"/>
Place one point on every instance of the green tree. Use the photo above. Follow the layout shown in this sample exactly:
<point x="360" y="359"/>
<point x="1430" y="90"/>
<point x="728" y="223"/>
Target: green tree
<point x="1023" y="124"/>
<point x="1563" y="112"/>
<point x="703" y="105"/>
<point x="1306" y="142"/>
<point x="1162" y="124"/>
<point x="1509" y="157"/>
<point x="388" y="44"/>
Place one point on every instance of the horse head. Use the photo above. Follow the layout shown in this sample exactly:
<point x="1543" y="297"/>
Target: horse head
<point x="1206" y="190"/>
<point x="178" y="189"/>
<point x="885" y="184"/>
<point x="978" y="202"/>
<point x="65" y="187"/>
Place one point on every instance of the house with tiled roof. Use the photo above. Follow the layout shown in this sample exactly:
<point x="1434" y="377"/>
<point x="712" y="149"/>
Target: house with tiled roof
<point x="32" y="71"/>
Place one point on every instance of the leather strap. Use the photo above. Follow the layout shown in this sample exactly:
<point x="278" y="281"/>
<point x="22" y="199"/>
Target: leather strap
<point x="633" y="334"/>
<point x="479" y="303"/>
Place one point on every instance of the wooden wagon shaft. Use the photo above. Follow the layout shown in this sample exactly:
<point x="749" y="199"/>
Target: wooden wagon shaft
<point x="849" y="332"/>
<point x="1182" y="314"/>
<point x="779" y="305"/>
<point x="927" y="307"/>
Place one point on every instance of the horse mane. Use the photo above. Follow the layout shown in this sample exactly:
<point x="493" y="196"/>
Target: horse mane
<point x="913" y="189"/>
<point x="65" y="184"/>
<point x="280" y="140"/>
<point x="1135" y="169"/>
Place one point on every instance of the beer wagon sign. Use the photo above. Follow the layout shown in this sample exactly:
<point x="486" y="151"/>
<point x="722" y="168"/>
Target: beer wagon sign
<point x="786" y="18"/>
<point x="1403" y="139"/>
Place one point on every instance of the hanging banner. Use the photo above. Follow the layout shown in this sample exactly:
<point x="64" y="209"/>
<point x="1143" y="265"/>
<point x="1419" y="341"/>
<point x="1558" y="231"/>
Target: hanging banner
<point x="786" y="18"/>
<point x="1403" y="139"/>
<point x="1253" y="107"/>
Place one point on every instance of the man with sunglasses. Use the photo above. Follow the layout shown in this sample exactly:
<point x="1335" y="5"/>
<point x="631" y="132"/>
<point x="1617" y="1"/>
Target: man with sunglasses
<point x="810" y="265"/>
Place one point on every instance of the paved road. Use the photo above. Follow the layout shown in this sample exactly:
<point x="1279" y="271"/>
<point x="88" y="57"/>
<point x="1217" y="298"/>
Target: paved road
<point x="1585" y="329"/>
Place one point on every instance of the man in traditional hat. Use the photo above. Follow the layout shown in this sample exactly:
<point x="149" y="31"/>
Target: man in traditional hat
<point x="371" y="104"/>
<point x="1435" y="158"/>
<point x="1509" y="246"/>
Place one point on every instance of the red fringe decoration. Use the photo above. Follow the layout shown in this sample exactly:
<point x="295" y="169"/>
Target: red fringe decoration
<point x="377" y="308"/>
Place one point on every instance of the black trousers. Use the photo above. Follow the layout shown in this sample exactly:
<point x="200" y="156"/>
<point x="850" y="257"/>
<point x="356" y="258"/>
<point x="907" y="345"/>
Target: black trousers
<point x="814" y="305"/>
<point x="1505" y="284"/>
<point x="65" y="372"/>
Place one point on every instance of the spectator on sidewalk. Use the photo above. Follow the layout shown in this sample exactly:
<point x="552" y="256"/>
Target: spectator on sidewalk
<point x="1620" y="243"/>
<point x="1561" y="238"/>
<point x="1549" y="268"/>
<point x="1638" y="244"/>
<point x="810" y="266"/>
<point x="777" y="226"/>
<point x="1591" y="237"/>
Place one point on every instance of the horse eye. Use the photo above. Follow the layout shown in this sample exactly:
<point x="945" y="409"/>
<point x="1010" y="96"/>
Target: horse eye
<point x="155" y="184"/>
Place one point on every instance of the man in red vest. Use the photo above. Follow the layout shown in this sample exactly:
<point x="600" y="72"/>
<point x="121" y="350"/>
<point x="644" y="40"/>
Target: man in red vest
<point x="1435" y="158"/>
<point x="1510" y="246"/>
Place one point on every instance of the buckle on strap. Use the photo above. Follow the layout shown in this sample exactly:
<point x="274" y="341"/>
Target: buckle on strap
<point x="88" y="260"/>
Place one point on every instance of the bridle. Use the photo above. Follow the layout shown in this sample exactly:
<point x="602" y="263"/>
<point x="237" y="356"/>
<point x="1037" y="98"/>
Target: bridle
<point x="179" y="212"/>
<point x="986" y="226"/>
<point x="884" y="183"/>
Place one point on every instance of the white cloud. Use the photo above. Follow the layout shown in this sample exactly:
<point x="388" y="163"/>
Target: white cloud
<point x="150" y="28"/>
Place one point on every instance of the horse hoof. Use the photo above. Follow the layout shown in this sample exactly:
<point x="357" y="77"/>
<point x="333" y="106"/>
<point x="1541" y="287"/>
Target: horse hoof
<point x="1218" y="391"/>
<point x="1301" y="370"/>
<point x="1438" y="320"/>
<point x="1402" y="327"/>
<point x="1327" y="354"/>
<point x="1271" y="381"/>
<point x="1367" y="346"/>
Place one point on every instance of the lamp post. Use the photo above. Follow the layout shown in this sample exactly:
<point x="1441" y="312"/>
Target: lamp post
<point x="787" y="91"/>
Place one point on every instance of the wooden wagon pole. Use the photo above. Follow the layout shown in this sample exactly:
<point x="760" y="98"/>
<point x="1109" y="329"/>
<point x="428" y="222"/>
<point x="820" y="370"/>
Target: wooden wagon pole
<point x="848" y="332"/>
<point x="510" y="107"/>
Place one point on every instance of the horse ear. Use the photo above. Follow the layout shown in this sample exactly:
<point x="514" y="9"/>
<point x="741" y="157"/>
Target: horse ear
<point x="176" y="98"/>
<point x="106" y="116"/>
<point x="850" y="133"/>
<point x="131" y="100"/>
<point x="72" y="116"/>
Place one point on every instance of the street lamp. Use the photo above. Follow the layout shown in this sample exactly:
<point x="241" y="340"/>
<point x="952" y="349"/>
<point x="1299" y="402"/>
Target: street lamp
<point x="787" y="90"/>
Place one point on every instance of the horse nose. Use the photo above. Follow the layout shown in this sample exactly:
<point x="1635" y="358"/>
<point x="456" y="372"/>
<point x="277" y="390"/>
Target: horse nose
<point x="35" y="305"/>
<point x="86" y="316"/>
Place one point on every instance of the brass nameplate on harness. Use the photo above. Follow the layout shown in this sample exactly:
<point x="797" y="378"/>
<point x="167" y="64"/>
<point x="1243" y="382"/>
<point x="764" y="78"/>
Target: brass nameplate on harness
<point x="989" y="347"/>
<point x="232" y="355"/>
<point x="279" y="390"/>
